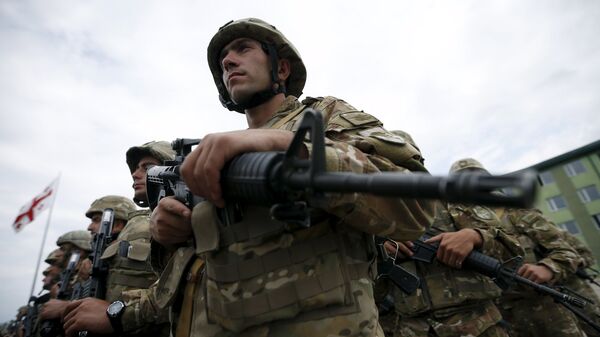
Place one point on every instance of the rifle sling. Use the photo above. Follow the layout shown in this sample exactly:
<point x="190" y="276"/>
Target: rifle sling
<point x="185" y="316"/>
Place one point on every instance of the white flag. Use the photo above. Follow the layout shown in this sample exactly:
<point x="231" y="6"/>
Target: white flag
<point x="31" y="210"/>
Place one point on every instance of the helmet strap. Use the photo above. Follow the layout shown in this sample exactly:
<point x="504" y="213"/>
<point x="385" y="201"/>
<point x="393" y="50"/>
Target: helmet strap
<point x="261" y="96"/>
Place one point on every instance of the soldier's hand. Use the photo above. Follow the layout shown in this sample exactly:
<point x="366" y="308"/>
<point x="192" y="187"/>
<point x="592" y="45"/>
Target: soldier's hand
<point x="201" y="169"/>
<point x="88" y="314"/>
<point x="170" y="223"/>
<point x="536" y="273"/>
<point x="400" y="250"/>
<point x="454" y="247"/>
<point x="53" y="309"/>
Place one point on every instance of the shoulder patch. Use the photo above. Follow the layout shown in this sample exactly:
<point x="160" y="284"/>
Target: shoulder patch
<point x="483" y="213"/>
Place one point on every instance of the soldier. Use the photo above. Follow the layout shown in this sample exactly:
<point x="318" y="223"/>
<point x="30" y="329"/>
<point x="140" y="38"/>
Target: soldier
<point x="77" y="240"/>
<point x="129" y="304"/>
<point x="273" y="277"/>
<point x="578" y="282"/>
<point x="451" y="301"/>
<point x="548" y="259"/>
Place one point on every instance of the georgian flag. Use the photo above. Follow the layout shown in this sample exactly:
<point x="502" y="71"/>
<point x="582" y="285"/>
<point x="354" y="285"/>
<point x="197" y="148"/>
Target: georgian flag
<point x="31" y="210"/>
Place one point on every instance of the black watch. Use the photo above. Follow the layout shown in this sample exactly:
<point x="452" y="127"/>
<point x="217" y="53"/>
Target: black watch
<point x="114" y="312"/>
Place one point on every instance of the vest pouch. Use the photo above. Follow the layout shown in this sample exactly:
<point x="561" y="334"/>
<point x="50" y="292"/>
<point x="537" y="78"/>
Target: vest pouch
<point x="416" y="303"/>
<point x="258" y="287"/>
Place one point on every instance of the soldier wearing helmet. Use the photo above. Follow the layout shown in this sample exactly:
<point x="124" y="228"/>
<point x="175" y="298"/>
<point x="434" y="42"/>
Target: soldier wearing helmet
<point x="268" y="276"/>
<point x="139" y="159"/>
<point x="548" y="258"/>
<point x="129" y="295"/>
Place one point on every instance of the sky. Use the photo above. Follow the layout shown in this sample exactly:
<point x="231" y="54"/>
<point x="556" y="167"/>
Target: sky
<point x="511" y="83"/>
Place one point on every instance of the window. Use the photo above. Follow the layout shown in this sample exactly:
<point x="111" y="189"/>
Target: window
<point x="588" y="193"/>
<point x="574" y="168"/>
<point x="570" y="226"/>
<point x="556" y="203"/>
<point x="546" y="178"/>
<point x="596" y="218"/>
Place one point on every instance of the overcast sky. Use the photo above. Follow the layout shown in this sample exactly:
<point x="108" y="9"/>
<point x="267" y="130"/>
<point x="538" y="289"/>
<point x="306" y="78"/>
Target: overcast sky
<point x="511" y="83"/>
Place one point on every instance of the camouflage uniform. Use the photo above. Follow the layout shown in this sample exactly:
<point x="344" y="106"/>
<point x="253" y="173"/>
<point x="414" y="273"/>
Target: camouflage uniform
<point x="581" y="285"/>
<point x="529" y="313"/>
<point x="449" y="301"/>
<point x="329" y="290"/>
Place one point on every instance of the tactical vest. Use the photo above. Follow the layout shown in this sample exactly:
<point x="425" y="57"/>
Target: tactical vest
<point x="443" y="289"/>
<point x="128" y="257"/>
<point x="260" y="270"/>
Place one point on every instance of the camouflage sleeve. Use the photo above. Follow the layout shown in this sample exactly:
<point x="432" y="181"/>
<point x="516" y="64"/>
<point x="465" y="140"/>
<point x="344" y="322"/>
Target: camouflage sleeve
<point x="356" y="142"/>
<point x="587" y="258"/>
<point x="495" y="242"/>
<point x="555" y="252"/>
<point x="142" y="312"/>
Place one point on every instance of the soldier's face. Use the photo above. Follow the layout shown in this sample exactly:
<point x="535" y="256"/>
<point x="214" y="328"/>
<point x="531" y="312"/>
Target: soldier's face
<point x="139" y="176"/>
<point x="94" y="226"/>
<point x="246" y="69"/>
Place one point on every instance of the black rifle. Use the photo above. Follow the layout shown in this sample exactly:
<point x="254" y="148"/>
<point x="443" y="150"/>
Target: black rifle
<point x="31" y="317"/>
<point x="387" y="268"/>
<point x="53" y="327"/>
<point x="502" y="275"/>
<point x="583" y="274"/>
<point x="285" y="181"/>
<point x="95" y="285"/>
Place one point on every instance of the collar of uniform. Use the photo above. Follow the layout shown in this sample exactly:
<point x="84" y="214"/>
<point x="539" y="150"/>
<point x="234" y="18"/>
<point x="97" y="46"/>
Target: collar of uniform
<point x="139" y="212"/>
<point x="288" y="105"/>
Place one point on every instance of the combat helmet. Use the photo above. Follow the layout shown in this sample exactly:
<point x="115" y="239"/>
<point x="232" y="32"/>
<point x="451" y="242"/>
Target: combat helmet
<point x="54" y="256"/>
<point x="467" y="163"/>
<point x="121" y="205"/>
<point x="160" y="150"/>
<point x="81" y="239"/>
<point x="275" y="44"/>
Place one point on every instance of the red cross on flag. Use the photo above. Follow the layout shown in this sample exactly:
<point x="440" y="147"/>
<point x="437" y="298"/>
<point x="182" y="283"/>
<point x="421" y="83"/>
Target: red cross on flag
<point x="31" y="210"/>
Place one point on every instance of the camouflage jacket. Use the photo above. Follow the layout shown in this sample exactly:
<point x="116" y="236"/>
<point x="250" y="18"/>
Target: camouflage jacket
<point x="267" y="277"/>
<point x="542" y="241"/>
<point x="444" y="290"/>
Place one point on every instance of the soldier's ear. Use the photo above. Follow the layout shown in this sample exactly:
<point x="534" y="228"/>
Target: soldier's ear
<point x="284" y="70"/>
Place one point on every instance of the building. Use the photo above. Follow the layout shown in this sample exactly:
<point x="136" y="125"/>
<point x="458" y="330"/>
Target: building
<point x="569" y="193"/>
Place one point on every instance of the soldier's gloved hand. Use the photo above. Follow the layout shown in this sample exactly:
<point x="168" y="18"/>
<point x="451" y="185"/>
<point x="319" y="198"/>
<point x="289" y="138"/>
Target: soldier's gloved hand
<point x="170" y="223"/>
<point x="53" y="309"/>
<point x="536" y="272"/>
<point x="401" y="250"/>
<point x="201" y="169"/>
<point x="88" y="314"/>
<point x="454" y="247"/>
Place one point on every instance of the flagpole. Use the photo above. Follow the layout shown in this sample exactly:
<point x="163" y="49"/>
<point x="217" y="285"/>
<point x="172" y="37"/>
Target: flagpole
<point x="37" y="267"/>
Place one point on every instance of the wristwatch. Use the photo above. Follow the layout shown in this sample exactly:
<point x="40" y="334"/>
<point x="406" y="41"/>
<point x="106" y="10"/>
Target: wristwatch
<point x="114" y="312"/>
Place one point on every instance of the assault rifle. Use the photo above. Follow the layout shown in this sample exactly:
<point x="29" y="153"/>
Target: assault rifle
<point x="583" y="274"/>
<point x="31" y="317"/>
<point x="285" y="181"/>
<point x="95" y="285"/>
<point x="502" y="275"/>
<point x="53" y="327"/>
<point x="387" y="268"/>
